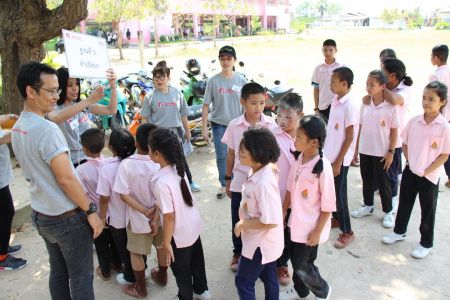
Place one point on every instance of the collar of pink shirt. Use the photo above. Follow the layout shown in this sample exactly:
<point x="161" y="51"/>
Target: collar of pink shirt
<point x="96" y="160"/>
<point x="401" y="86"/>
<point x="162" y="172"/>
<point x="277" y="130"/>
<point x="310" y="164"/>
<point x="440" y="119"/>
<point x="264" y="119"/>
<point x="382" y="104"/>
<point x="255" y="177"/>
<point x="342" y="100"/>
<point x="330" y="65"/>
<point x="139" y="157"/>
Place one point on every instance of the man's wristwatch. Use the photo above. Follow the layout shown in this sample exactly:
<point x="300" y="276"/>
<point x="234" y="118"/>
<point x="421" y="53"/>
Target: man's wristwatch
<point x="228" y="178"/>
<point x="391" y="151"/>
<point x="92" y="209"/>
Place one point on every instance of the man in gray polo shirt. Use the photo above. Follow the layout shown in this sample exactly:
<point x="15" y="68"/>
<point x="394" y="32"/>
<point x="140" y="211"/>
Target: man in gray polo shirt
<point x="61" y="213"/>
<point x="223" y="92"/>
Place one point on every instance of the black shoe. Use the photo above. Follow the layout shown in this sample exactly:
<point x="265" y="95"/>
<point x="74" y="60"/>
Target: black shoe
<point x="11" y="263"/>
<point x="14" y="249"/>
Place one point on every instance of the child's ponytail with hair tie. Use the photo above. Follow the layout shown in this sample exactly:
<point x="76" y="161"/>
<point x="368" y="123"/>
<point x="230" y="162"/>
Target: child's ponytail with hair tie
<point x="181" y="172"/>
<point x="318" y="167"/>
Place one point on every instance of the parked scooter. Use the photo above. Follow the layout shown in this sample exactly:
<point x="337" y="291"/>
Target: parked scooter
<point x="193" y="85"/>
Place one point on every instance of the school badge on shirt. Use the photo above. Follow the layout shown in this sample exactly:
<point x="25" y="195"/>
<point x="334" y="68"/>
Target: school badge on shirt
<point x="305" y="194"/>
<point x="383" y="123"/>
<point x="336" y="126"/>
<point x="434" y="145"/>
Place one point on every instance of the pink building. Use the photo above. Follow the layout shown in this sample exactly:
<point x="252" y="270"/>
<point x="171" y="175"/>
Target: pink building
<point x="197" y="15"/>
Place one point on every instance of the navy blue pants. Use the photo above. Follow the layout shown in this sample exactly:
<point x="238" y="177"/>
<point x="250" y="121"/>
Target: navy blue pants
<point x="249" y="271"/>
<point x="342" y="214"/>
<point x="235" y="203"/>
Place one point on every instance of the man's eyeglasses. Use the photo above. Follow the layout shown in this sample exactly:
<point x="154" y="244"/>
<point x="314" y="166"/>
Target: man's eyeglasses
<point x="53" y="92"/>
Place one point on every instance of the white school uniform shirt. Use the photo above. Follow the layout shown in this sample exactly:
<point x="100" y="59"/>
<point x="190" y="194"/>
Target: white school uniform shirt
<point x="406" y="92"/>
<point x="116" y="207"/>
<point x="425" y="143"/>
<point x="442" y="74"/>
<point x="344" y="113"/>
<point x="232" y="138"/>
<point x="310" y="195"/>
<point x="286" y="159"/>
<point x="167" y="190"/>
<point x="261" y="195"/>
<point x="321" y="79"/>
<point x="133" y="178"/>
<point x="376" y="123"/>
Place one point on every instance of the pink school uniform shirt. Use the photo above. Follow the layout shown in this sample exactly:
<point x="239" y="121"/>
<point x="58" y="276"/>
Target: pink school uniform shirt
<point x="88" y="174"/>
<point x="261" y="194"/>
<point x="343" y="114"/>
<point x="286" y="159"/>
<point x="442" y="74"/>
<point x="232" y="138"/>
<point x="425" y="143"/>
<point x="188" y="224"/>
<point x="376" y="123"/>
<point x="133" y="178"/>
<point x="406" y="93"/>
<point x="116" y="207"/>
<point x="321" y="79"/>
<point x="310" y="195"/>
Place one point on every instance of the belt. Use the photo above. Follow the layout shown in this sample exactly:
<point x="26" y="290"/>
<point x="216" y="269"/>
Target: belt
<point x="59" y="217"/>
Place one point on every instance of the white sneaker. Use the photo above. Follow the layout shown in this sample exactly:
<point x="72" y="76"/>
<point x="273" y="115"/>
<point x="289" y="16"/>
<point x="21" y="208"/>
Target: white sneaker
<point x="420" y="252"/>
<point x="362" y="212"/>
<point x="328" y="296"/>
<point x="121" y="280"/>
<point x="221" y="193"/>
<point x="394" y="204"/>
<point x="388" y="220"/>
<point x="206" y="295"/>
<point x="393" y="237"/>
<point x="290" y="294"/>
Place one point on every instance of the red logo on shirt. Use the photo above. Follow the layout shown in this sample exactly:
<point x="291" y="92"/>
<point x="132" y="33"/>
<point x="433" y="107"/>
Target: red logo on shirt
<point x="20" y="131"/>
<point x="168" y="104"/>
<point x="226" y="91"/>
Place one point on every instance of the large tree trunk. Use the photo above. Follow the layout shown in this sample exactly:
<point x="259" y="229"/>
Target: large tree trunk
<point x="120" y="43"/>
<point x="24" y="26"/>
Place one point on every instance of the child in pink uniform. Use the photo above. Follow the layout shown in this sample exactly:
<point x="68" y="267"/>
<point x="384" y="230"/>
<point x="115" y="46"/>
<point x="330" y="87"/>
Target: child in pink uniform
<point x="132" y="183"/>
<point x="253" y="99"/>
<point x="122" y="145"/>
<point x="439" y="56"/>
<point x="339" y="146"/>
<point x="290" y="111"/>
<point x="426" y="145"/>
<point x="398" y="92"/>
<point x="312" y="199"/>
<point x="182" y="224"/>
<point x="378" y="128"/>
<point x="261" y="216"/>
<point x="93" y="142"/>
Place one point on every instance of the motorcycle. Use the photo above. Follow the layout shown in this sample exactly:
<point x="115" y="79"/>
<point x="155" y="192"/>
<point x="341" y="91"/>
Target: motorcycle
<point x="135" y="86"/>
<point x="105" y="122"/>
<point x="193" y="85"/>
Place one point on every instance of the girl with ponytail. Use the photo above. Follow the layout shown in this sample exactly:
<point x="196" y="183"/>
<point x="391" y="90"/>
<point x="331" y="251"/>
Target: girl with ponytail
<point x="182" y="224"/>
<point x="397" y="92"/>
<point x="312" y="199"/>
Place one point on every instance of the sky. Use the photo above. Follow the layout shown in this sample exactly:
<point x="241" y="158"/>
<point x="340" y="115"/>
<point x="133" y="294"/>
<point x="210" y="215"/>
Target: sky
<point x="375" y="7"/>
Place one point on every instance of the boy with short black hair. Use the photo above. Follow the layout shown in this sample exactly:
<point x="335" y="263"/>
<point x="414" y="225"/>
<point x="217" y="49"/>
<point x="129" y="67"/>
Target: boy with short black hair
<point x="340" y="146"/>
<point x="93" y="142"/>
<point x="321" y="79"/>
<point x="290" y="111"/>
<point x="439" y="56"/>
<point x="253" y="99"/>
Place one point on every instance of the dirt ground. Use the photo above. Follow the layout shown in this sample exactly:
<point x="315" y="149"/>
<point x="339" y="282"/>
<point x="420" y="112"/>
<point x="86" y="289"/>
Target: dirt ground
<point x="367" y="269"/>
